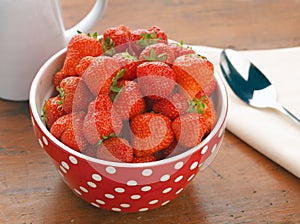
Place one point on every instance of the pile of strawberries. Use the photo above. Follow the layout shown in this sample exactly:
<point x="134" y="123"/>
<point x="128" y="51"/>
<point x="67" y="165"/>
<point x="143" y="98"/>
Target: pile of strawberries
<point x="131" y="96"/>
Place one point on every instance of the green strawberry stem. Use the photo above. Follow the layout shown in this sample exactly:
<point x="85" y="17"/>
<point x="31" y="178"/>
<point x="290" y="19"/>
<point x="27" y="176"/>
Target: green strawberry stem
<point x="148" y="39"/>
<point x="95" y="35"/>
<point x="43" y="114"/>
<point x="128" y="56"/>
<point x="115" y="88"/>
<point x="111" y="135"/>
<point x="197" y="105"/>
<point x="61" y="92"/>
<point x="154" y="57"/>
<point x="108" y="46"/>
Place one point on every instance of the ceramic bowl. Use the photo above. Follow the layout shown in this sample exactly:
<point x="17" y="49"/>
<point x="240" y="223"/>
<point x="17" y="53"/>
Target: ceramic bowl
<point x="116" y="186"/>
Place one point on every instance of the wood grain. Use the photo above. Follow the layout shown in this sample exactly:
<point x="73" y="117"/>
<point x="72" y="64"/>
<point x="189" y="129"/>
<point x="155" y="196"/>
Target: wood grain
<point x="240" y="186"/>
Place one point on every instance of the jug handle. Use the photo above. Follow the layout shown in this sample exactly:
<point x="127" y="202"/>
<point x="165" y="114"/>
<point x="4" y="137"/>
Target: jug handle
<point x="88" y="21"/>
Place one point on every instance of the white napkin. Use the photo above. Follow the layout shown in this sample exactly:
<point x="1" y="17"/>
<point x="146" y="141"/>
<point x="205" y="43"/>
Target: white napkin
<point x="267" y="130"/>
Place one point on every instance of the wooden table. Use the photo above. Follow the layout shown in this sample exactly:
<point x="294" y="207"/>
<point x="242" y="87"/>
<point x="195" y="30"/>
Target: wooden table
<point x="240" y="186"/>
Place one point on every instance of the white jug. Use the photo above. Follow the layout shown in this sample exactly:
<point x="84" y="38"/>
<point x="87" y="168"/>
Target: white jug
<point x="32" y="31"/>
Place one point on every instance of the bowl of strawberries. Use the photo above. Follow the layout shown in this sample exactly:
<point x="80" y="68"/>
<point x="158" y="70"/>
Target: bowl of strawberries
<point x="128" y="117"/>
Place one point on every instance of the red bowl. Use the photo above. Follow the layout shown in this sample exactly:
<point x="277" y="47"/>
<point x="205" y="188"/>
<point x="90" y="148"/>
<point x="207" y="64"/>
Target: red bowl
<point x="116" y="186"/>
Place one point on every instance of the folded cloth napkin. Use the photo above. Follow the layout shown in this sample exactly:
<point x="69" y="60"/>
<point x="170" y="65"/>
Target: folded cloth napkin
<point x="268" y="131"/>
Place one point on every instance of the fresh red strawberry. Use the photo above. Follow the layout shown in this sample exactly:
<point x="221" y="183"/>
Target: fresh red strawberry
<point x="139" y="39"/>
<point x="101" y="120"/>
<point x="127" y="62"/>
<point x="151" y="133"/>
<point x="84" y="63"/>
<point x="58" y="77"/>
<point x="142" y="38"/>
<point x="98" y="77"/>
<point x="193" y="72"/>
<point x="210" y="88"/>
<point x="205" y="107"/>
<point x="172" y="106"/>
<point x="138" y="34"/>
<point x="129" y="102"/>
<point x="189" y="129"/>
<point x="52" y="110"/>
<point x="75" y="95"/>
<point x="156" y="79"/>
<point x="160" y="34"/>
<point x="116" y="38"/>
<point x="144" y="159"/>
<point x="179" y="49"/>
<point x="118" y="149"/>
<point x="80" y="45"/>
<point x="68" y="129"/>
<point x="158" y="52"/>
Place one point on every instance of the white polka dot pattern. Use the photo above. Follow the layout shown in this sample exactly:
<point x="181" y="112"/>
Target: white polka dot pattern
<point x="111" y="170"/>
<point x="203" y="151"/>
<point x="165" y="178"/>
<point x="91" y="184"/>
<point x="146" y="188"/>
<point x="45" y="140"/>
<point x="131" y="183"/>
<point x="96" y="177"/>
<point x="73" y="160"/>
<point x="124" y="188"/>
<point x="83" y="189"/>
<point x="147" y="172"/>
<point x="110" y="196"/>
<point x="135" y="196"/>
<point x="119" y="190"/>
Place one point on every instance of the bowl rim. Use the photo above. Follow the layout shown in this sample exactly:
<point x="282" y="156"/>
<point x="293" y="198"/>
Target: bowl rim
<point x="36" y="116"/>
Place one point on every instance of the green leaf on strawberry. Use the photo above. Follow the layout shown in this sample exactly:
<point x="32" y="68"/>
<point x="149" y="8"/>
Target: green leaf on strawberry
<point x="116" y="87"/>
<point x="154" y="57"/>
<point x="197" y="105"/>
<point x="148" y="39"/>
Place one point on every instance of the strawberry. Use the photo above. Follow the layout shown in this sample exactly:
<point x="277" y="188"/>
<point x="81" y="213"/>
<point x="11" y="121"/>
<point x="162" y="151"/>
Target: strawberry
<point x="58" y="77"/>
<point x="158" y="52"/>
<point x="129" y="63"/>
<point x="151" y="133"/>
<point x="179" y="49"/>
<point x="129" y="102"/>
<point x="115" y="149"/>
<point x="68" y="129"/>
<point x="205" y="107"/>
<point x="52" y="110"/>
<point x="116" y="39"/>
<point x="189" y="129"/>
<point x="98" y="76"/>
<point x="83" y="64"/>
<point x="210" y="87"/>
<point x="75" y="95"/>
<point x="80" y="45"/>
<point x="193" y="72"/>
<point x="142" y="38"/>
<point x="138" y="34"/>
<point x="101" y="120"/>
<point x="172" y="106"/>
<point x="159" y="34"/>
<point x="156" y="79"/>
